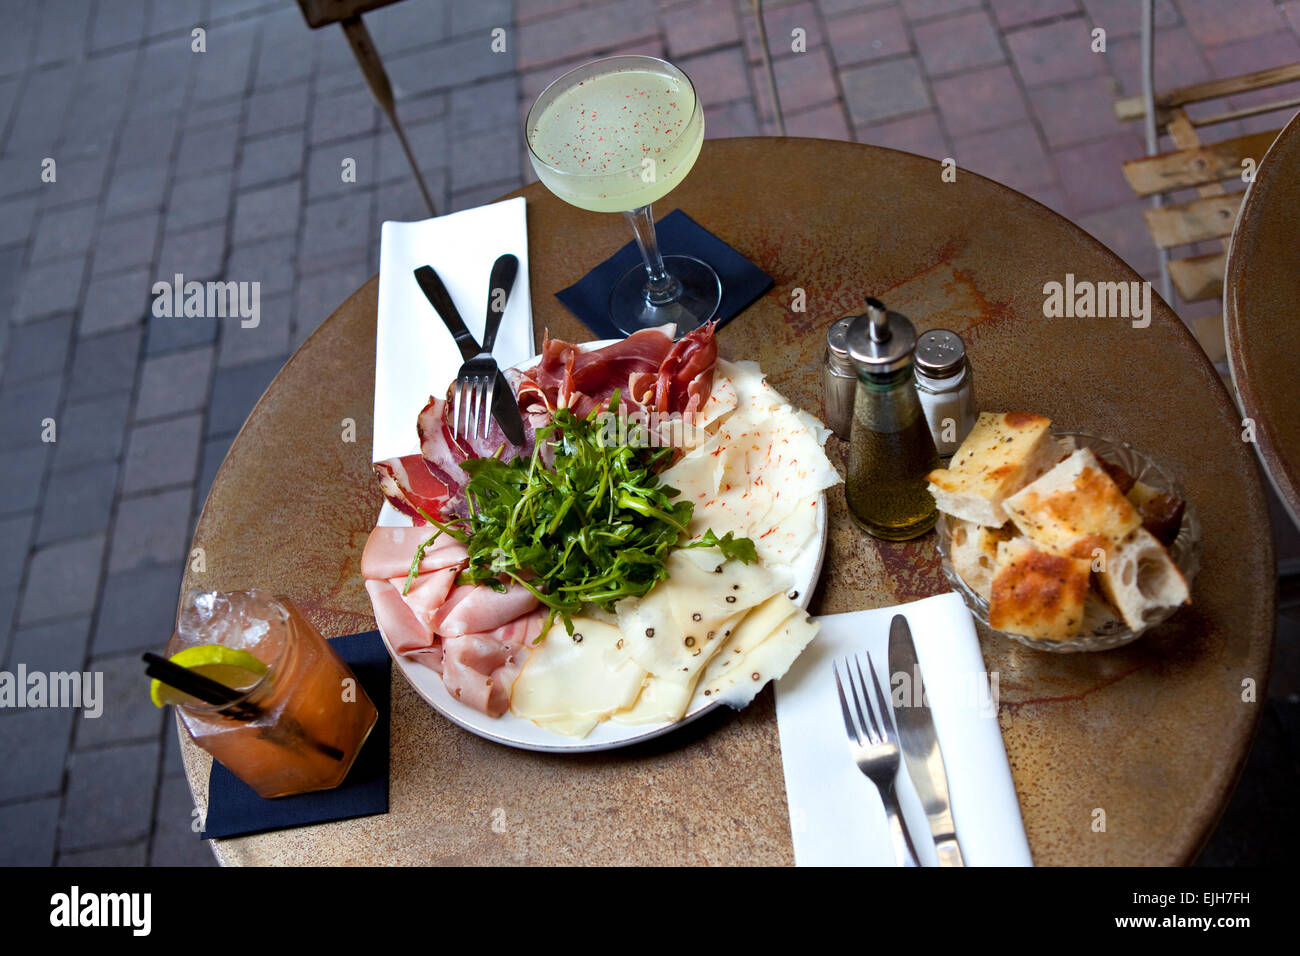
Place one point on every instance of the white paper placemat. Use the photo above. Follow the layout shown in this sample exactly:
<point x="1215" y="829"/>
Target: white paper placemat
<point x="836" y="817"/>
<point x="415" y="355"/>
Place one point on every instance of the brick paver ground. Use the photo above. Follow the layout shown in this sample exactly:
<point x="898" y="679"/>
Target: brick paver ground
<point x="226" y="163"/>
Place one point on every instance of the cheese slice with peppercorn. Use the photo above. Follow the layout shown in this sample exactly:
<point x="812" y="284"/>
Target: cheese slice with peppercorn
<point x="675" y="630"/>
<point x="571" y="682"/>
<point x="761" y="648"/>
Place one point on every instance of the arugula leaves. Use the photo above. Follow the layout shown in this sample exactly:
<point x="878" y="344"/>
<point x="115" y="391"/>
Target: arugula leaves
<point x="595" y="527"/>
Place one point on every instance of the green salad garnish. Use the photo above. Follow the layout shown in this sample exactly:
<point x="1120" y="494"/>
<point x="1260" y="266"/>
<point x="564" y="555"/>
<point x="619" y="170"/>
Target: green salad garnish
<point x="594" y="528"/>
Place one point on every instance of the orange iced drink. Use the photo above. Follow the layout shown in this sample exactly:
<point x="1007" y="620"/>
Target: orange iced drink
<point x="299" y="725"/>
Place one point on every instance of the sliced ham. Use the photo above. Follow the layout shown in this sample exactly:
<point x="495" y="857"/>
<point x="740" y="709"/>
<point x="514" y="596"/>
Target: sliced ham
<point x="411" y="487"/>
<point x="427" y="593"/>
<point x="389" y="552"/>
<point x="477" y="609"/>
<point x="479" y="669"/>
<point x="398" y="622"/>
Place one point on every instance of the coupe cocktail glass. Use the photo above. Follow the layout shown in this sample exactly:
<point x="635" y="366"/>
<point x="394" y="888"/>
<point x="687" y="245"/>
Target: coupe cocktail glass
<point x="616" y="135"/>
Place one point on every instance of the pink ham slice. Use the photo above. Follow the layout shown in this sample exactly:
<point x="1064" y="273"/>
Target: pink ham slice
<point x="389" y="551"/>
<point x="478" y="639"/>
<point x="395" y="618"/>
<point x="477" y="609"/>
<point x="479" y="669"/>
<point x="427" y="593"/>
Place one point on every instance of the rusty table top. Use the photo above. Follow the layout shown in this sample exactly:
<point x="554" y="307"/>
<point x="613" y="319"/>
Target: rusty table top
<point x="1261" y="289"/>
<point x="1123" y="757"/>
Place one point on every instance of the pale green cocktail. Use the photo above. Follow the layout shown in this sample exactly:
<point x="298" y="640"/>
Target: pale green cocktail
<point x="616" y="135"/>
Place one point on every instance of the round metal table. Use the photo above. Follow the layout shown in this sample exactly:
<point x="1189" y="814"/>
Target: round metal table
<point x="1261" y="292"/>
<point x="1154" y="734"/>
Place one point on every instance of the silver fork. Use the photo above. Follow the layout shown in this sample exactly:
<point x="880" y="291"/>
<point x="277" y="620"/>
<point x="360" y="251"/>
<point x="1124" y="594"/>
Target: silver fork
<point x="877" y="754"/>
<point x="476" y="382"/>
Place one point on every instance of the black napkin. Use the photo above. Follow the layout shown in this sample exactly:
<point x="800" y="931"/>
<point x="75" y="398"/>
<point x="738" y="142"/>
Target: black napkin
<point x="235" y="809"/>
<point x="679" y="234"/>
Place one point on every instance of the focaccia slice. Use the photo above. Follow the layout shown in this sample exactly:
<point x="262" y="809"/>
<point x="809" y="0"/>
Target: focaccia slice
<point x="1140" y="578"/>
<point x="1038" y="594"/>
<point x="1002" y="453"/>
<point x="975" y="554"/>
<point x="1073" y="509"/>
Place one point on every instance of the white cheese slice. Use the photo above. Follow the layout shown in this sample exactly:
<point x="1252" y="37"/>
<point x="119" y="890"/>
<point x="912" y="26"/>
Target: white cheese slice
<point x="761" y="474"/>
<point x="759" y="651"/>
<point x="674" y="631"/>
<point x="568" y="686"/>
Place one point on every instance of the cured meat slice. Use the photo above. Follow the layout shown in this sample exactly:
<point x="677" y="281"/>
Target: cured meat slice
<point x="411" y="487"/>
<point x="476" y="609"/>
<point x="479" y="669"/>
<point x="389" y="552"/>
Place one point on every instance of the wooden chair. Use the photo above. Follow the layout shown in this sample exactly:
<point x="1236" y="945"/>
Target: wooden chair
<point x="347" y="13"/>
<point x="1200" y="166"/>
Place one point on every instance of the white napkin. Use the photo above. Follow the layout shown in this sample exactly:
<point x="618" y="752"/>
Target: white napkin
<point x="415" y="355"/>
<point x="836" y="817"/>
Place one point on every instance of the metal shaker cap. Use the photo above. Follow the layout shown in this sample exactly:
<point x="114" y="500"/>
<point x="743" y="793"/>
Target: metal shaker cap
<point x="940" y="353"/>
<point x="880" y="340"/>
<point x="837" y="344"/>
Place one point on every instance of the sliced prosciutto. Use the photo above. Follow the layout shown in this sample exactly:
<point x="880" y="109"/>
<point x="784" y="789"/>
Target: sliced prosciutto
<point x="411" y="488"/>
<point x="648" y="369"/>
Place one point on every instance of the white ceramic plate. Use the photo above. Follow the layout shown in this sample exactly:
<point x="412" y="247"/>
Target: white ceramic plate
<point x="516" y="731"/>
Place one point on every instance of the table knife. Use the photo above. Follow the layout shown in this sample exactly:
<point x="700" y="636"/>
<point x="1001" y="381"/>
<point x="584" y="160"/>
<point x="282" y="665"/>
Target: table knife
<point x="505" y="408"/>
<point x="920" y="745"/>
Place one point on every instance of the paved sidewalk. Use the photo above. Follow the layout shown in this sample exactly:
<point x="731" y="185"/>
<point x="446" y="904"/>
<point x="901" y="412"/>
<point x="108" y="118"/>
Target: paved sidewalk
<point x="228" y="164"/>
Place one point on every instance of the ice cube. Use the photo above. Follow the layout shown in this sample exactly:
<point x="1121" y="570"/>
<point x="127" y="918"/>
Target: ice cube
<point x="236" y="619"/>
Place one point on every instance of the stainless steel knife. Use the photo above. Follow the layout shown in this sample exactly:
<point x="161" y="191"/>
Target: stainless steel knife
<point x="920" y="746"/>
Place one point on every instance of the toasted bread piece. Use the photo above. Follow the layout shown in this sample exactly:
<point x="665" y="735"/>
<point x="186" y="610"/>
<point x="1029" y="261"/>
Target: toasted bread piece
<point x="1074" y="509"/>
<point x="1038" y="594"/>
<point x="1140" y="578"/>
<point x="975" y="553"/>
<point x="1003" y="452"/>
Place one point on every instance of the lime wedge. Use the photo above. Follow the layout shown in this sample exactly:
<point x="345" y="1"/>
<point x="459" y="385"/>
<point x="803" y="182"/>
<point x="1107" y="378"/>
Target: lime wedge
<point x="231" y="666"/>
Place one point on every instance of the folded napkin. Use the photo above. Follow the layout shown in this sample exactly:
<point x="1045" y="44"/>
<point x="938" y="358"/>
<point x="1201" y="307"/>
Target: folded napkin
<point x="836" y="817"/>
<point x="415" y="355"/>
<point x="235" y="809"/>
<point x="679" y="234"/>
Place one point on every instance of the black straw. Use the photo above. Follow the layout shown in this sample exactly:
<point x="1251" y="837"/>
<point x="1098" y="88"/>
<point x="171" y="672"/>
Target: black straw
<point x="219" y="695"/>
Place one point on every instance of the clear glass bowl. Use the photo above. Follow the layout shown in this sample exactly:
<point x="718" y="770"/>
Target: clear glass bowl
<point x="1185" y="551"/>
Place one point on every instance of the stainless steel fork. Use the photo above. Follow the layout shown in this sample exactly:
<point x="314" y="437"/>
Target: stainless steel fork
<point x="477" y="381"/>
<point x="877" y="754"/>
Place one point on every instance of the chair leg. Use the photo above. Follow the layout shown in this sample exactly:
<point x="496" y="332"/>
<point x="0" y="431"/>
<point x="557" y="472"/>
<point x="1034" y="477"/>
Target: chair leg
<point x="1149" y="128"/>
<point x="363" y="48"/>
<point x="767" y="66"/>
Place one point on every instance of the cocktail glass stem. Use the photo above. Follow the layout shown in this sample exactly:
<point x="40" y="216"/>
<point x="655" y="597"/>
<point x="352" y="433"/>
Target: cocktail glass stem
<point x="661" y="288"/>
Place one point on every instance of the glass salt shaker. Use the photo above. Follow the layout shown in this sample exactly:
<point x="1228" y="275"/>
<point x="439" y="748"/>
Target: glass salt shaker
<point x="891" y="450"/>
<point x="841" y="378"/>
<point x="946" y="387"/>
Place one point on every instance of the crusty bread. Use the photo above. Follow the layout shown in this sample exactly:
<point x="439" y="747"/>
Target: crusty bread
<point x="975" y="554"/>
<point x="1003" y="452"/>
<point x="1038" y="594"/>
<point x="1074" y="509"/>
<point x="1140" y="578"/>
